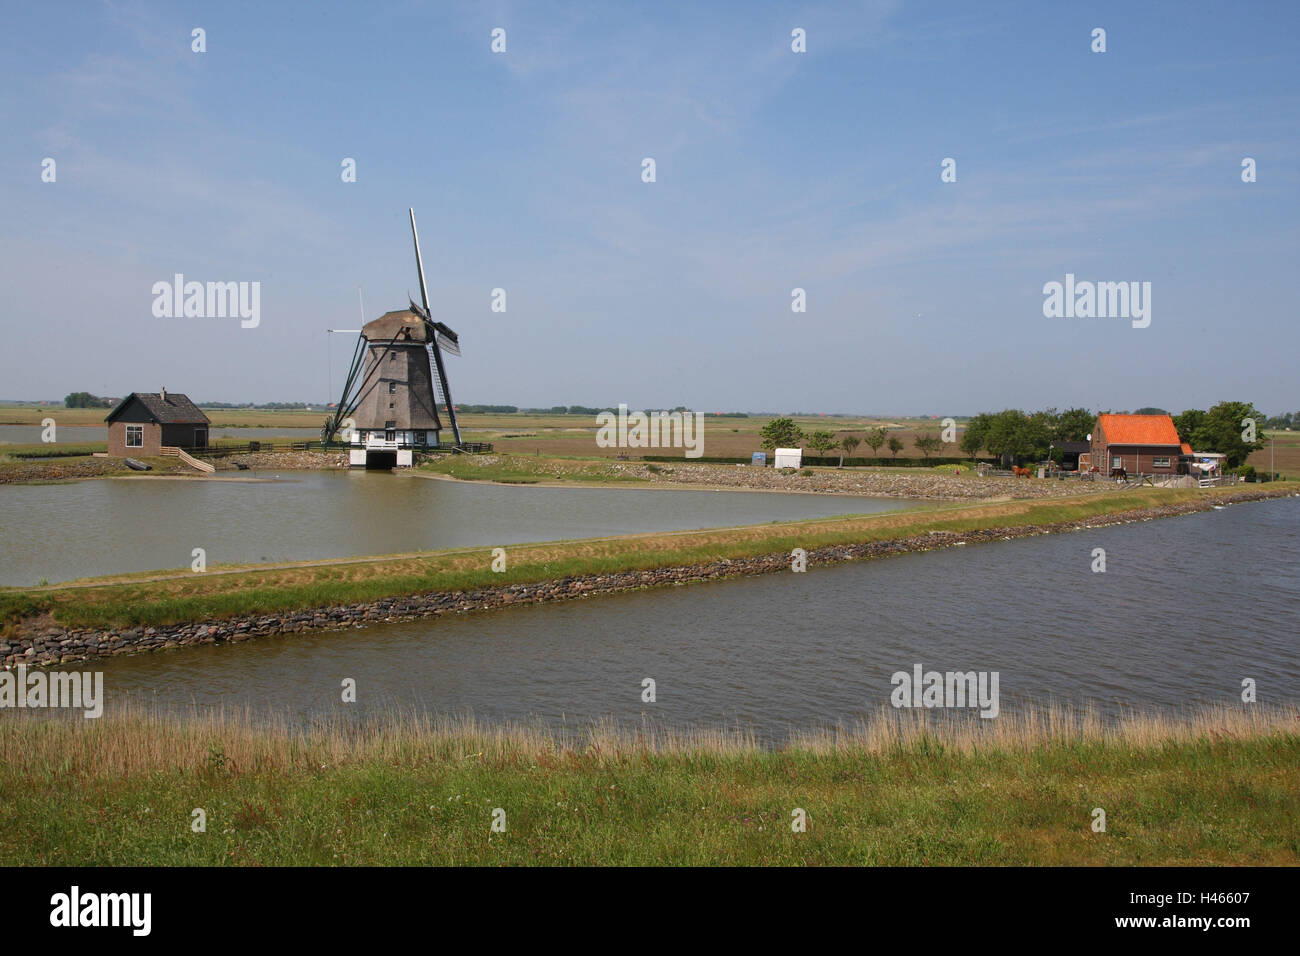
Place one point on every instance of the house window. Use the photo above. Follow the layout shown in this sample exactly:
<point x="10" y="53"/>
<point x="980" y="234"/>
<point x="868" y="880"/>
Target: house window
<point x="392" y="356"/>
<point x="390" y="435"/>
<point x="134" y="436"/>
<point x="1116" y="461"/>
<point x="420" y="438"/>
<point x="1159" y="462"/>
<point x="392" y="387"/>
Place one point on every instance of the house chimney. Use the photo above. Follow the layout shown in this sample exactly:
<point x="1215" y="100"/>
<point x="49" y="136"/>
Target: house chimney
<point x="162" y="393"/>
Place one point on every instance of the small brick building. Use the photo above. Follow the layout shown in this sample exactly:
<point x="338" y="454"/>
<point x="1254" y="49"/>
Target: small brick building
<point x="1139" y="444"/>
<point x="143" y="422"/>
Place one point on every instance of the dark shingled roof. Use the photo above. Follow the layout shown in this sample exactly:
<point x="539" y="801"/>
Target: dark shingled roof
<point x="175" y="409"/>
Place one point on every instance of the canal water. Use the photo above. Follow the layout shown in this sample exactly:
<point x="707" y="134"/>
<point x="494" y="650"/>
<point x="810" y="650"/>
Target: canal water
<point x="1186" y="609"/>
<point x="57" y="532"/>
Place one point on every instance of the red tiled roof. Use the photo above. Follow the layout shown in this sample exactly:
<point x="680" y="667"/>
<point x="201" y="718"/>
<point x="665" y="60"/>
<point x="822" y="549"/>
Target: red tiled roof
<point x="1187" y="449"/>
<point x="1139" y="429"/>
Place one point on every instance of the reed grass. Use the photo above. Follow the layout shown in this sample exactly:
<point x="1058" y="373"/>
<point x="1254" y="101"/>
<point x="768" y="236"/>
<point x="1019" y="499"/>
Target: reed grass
<point x="1213" y="786"/>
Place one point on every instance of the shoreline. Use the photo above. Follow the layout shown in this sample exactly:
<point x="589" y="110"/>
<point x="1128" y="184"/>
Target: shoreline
<point x="41" y="641"/>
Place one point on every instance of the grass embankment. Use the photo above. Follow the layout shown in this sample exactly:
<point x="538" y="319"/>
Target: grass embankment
<point x="1221" y="788"/>
<point x="521" y="470"/>
<point x="151" y="598"/>
<point x="61" y="466"/>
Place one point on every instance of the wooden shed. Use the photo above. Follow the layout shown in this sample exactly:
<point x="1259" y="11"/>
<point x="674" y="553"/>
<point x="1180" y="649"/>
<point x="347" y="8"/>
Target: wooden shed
<point x="144" y="422"/>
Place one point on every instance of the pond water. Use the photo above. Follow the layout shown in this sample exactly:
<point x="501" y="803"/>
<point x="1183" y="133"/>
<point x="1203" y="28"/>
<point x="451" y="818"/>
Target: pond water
<point x="57" y="532"/>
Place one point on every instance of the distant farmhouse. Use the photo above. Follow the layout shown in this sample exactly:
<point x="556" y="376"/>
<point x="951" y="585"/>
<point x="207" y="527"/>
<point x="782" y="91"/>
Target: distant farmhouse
<point x="1136" y="444"/>
<point x="144" y="423"/>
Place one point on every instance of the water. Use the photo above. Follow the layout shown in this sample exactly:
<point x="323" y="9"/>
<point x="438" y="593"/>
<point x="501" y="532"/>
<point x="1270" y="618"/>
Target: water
<point x="1186" y="609"/>
<point x="83" y="434"/>
<point x="79" y="529"/>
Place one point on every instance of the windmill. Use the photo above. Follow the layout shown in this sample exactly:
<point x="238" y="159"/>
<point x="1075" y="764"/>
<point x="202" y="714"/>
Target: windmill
<point x="394" y="404"/>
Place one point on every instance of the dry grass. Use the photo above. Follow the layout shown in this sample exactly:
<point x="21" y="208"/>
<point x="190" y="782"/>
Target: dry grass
<point x="1218" y="787"/>
<point x="134" y="741"/>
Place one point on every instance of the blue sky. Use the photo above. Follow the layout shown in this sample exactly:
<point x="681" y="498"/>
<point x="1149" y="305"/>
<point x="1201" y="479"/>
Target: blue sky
<point x="775" y="170"/>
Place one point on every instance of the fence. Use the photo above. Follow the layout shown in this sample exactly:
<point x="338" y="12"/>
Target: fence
<point x="187" y="458"/>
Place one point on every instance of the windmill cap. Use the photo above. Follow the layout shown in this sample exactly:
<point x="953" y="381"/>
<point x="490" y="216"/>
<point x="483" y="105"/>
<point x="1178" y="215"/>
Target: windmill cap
<point x="391" y="325"/>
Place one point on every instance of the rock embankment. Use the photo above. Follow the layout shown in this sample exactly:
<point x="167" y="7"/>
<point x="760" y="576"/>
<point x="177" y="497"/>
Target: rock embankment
<point x="282" y="461"/>
<point x="916" y="483"/>
<point x="924" y="484"/>
<point x="48" y="644"/>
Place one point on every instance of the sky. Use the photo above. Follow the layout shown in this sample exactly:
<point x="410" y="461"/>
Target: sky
<point x="774" y="170"/>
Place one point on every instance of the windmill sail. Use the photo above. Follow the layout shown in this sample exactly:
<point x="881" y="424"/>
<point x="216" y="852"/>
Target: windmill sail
<point x="436" y="339"/>
<point x="448" y="340"/>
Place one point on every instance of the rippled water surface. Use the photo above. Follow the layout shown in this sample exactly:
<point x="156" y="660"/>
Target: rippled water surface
<point x="1186" y="609"/>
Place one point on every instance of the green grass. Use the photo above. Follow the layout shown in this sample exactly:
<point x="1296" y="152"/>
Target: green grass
<point x="166" y="598"/>
<point x="121" y="791"/>
<point x="52" y="449"/>
<point x="522" y="470"/>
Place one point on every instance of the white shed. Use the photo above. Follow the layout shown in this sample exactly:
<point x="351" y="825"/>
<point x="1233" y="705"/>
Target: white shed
<point x="789" y="458"/>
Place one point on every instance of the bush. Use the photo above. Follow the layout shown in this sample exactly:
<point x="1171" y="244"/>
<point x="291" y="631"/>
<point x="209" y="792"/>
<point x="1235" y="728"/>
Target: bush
<point x="1247" y="472"/>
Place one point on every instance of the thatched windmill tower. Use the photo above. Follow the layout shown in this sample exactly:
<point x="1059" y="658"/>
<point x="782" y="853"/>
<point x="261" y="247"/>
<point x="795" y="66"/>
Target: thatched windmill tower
<point x="394" y="406"/>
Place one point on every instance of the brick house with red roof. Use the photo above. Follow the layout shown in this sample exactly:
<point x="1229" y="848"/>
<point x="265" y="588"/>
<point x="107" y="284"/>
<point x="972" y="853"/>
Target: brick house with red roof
<point x="1139" y="444"/>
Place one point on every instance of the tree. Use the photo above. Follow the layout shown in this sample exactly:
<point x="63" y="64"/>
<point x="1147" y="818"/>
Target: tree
<point x="927" y="444"/>
<point x="1223" y="430"/>
<point x="1191" y="425"/>
<point x="1073" y="424"/>
<point x="82" y="400"/>
<point x="875" y="437"/>
<point x="1013" y="434"/>
<point x="822" y="442"/>
<point x="850" y="444"/>
<point x="972" y="439"/>
<point x="895" y="445"/>
<point x="1005" y="435"/>
<point x="781" y="433"/>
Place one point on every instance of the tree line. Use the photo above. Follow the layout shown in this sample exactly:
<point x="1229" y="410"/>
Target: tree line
<point x="86" y="400"/>
<point x="1020" y="436"/>
<point x="1233" y="429"/>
